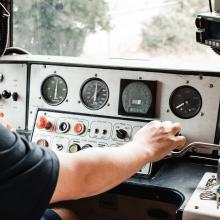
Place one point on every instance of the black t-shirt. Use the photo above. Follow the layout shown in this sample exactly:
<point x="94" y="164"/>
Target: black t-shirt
<point x="28" y="177"/>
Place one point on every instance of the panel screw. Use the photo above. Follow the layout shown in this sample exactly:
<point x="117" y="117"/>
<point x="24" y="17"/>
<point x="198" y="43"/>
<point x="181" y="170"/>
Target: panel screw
<point x="201" y="77"/>
<point x="168" y="110"/>
<point x="67" y="100"/>
<point x="140" y="78"/>
<point x="196" y="207"/>
<point x="202" y="114"/>
<point x="108" y="104"/>
<point x="211" y="86"/>
<point x="187" y="82"/>
<point x="96" y="75"/>
<point x="79" y="102"/>
<point x="39" y="97"/>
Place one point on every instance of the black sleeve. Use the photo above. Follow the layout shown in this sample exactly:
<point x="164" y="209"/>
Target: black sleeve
<point x="28" y="177"/>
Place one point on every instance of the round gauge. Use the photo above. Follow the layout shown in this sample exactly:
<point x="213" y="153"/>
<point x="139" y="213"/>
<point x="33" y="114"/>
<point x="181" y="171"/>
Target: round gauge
<point x="94" y="93"/>
<point x="185" y="102"/>
<point x="137" y="98"/>
<point x="54" y="90"/>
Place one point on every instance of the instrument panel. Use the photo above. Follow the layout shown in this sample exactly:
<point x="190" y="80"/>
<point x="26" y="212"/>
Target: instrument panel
<point x="130" y="96"/>
<point x="124" y="93"/>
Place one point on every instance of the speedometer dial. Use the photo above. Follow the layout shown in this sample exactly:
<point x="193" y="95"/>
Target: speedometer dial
<point x="94" y="93"/>
<point x="54" y="90"/>
<point x="137" y="98"/>
<point x="185" y="102"/>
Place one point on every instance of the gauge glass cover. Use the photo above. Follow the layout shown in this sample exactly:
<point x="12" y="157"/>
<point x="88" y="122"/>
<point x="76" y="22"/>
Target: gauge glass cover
<point x="185" y="102"/>
<point x="94" y="93"/>
<point x="54" y="90"/>
<point x="137" y="98"/>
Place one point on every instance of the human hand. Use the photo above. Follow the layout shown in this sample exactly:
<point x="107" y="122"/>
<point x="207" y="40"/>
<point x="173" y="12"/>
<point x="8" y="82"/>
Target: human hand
<point x="157" y="139"/>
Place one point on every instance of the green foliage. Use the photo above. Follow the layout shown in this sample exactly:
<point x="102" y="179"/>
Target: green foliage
<point x="173" y="29"/>
<point x="57" y="27"/>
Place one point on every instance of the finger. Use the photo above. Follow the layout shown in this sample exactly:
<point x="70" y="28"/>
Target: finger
<point x="167" y="125"/>
<point x="155" y="122"/>
<point x="176" y="128"/>
<point x="180" y="141"/>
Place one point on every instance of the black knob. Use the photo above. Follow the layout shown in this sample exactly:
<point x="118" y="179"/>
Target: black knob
<point x="49" y="125"/>
<point x="121" y="134"/>
<point x="15" y="96"/>
<point x="86" y="146"/>
<point x="6" y="94"/>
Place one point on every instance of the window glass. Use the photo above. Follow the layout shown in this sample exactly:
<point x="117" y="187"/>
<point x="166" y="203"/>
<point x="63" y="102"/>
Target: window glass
<point x="141" y="29"/>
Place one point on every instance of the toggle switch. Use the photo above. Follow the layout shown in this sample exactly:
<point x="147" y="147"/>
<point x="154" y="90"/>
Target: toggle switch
<point x="59" y="147"/>
<point x="15" y="96"/>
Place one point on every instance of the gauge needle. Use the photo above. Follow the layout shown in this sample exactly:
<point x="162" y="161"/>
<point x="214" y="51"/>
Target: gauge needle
<point x="179" y="106"/>
<point x="55" y="92"/>
<point x="95" y="94"/>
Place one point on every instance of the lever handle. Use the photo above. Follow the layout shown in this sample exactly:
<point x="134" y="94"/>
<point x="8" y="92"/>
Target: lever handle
<point x="193" y="145"/>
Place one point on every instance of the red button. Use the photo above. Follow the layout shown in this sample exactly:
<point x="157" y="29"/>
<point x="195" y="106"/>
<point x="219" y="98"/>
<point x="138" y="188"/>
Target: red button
<point x="79" y="128"/>
<point x="2" y="114"/>
<point x="42" y="122"/>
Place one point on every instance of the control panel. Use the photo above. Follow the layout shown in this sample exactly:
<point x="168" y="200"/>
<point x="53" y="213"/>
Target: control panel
<point x="132" y="95"/>
<point x="72" y="132"/>
<point x="141" y="95"/>
<point x="13" y="93"/>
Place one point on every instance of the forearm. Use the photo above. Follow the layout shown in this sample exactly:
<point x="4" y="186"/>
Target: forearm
<point x="97" y="170"/>
<point x="106" y="168"/>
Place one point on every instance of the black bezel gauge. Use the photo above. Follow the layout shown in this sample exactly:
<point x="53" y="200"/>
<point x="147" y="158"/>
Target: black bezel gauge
<point x="137" y="98"/>
<point x="94" y="93"/>
<point x="185" y="102"/>
<point x="54" y="90"/>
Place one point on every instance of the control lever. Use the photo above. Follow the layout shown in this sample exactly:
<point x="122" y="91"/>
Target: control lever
<point x="194" y="145"/>
<point x="198" y="145"/>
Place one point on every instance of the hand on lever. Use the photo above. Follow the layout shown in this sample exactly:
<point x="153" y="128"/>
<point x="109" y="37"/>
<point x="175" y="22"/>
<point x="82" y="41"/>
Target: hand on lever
<point x="157" y="139"/>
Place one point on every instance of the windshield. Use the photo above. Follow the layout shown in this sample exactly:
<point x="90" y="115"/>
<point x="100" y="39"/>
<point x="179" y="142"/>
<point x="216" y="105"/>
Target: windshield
<point x="141" y="29"/>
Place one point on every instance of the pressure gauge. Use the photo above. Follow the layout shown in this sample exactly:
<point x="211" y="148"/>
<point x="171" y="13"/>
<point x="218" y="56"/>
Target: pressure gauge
<point x="94" y="93"/>
<point x="54" y="90"/>
<point x="185" y="102"/>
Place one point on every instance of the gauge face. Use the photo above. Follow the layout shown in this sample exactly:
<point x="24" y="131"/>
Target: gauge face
<point x="185" y="102"/>
<point x="94" y="93"/>
<point x="54" y="90"/>
<point x="137" y="98"/>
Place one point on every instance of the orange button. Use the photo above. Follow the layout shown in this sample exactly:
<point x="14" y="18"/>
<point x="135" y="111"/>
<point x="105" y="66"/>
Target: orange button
<point x="79" y="128"/>
<point x="2" y="114"/>
<point x="42" y="122"/>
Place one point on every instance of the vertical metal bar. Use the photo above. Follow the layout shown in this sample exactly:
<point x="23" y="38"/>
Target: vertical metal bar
<point x="218" y="173"/>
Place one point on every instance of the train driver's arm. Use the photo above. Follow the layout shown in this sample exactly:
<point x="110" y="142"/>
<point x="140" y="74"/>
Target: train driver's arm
<point x="96" y="170"/>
